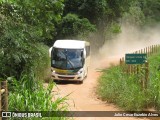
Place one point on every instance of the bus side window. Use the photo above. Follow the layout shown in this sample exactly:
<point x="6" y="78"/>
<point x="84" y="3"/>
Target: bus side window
<point x="87" y="51"/>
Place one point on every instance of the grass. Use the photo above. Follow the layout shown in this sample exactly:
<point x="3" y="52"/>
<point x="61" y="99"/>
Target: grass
<point x="154" y="83"/>
<point x="115" y="86"/>
<point x="26" y="95"/>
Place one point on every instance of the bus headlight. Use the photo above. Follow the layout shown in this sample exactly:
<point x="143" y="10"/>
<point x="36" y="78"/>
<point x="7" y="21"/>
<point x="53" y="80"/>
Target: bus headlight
<point x="80" y="71"/>
<point x="52" y="70"/>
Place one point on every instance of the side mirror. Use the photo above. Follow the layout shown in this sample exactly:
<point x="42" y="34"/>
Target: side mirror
<point x="83" y="54"/>
<point x="82" y="57"/>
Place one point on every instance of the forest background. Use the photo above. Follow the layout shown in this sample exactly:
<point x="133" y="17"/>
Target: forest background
<point x="28" y="28"/>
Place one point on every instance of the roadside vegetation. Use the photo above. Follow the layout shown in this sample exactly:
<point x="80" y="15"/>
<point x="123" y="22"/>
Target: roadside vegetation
<point x="28" y="28"/>
<point x="124" y="90"/>
<point x="30" y="95"/>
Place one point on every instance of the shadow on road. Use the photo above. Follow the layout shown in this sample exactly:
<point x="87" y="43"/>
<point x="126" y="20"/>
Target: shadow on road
<point x="65" y="82"/>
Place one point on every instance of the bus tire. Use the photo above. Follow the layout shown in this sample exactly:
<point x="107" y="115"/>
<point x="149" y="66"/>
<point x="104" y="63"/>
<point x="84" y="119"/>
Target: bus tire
<point x="86" y="74"/>
<point x="80" y="82"/>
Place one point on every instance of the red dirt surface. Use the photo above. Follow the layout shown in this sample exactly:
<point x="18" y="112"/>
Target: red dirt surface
<point x="82" y="97"/>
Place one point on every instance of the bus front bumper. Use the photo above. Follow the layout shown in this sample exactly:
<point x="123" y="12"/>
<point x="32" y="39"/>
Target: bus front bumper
<point x="57" y="76"/>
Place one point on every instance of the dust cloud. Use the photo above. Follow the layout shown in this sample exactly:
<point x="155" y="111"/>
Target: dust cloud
<point x="129" y="40"/>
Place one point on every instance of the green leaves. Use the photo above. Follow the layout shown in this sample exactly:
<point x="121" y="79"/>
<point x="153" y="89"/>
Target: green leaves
<point x="37" y="98"/>
<point x="37" y="17"/>
<point x="135" y="15"/>
<point x="72" y="25"/>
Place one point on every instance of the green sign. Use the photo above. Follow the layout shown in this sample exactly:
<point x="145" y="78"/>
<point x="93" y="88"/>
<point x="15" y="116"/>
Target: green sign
<point x="135" y="58"/>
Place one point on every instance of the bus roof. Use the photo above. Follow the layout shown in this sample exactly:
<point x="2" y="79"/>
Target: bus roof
<point x="70" y="44"/>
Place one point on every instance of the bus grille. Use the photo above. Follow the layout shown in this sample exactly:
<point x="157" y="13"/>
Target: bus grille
<point x="66" y="73"/>
<point x="62" y="77"/>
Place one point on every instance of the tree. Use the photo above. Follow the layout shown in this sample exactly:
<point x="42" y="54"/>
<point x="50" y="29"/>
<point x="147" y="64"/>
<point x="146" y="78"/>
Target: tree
<point x="72" y="26"/>
<point x="93" y="10"/>
<point x="40" y="17"/>
<point x="23" y="25"/>
<point x="134" y="15"/>
<point x="151" y="10"/>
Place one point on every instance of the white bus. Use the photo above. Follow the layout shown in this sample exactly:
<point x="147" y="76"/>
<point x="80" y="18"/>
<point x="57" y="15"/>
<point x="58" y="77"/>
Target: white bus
<point x="70" y="59"/>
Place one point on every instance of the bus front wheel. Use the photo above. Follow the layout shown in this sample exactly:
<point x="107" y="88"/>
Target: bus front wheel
<point x="80" y="82"/>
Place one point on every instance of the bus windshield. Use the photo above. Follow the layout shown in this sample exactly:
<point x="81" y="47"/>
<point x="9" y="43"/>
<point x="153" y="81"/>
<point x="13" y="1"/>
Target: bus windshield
<point x="67" y="58"/>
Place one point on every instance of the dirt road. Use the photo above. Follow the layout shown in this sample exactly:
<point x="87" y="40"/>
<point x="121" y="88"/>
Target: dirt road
<point x="83" y="98"/>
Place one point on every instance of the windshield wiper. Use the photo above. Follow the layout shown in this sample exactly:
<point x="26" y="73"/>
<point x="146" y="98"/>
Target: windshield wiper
<point x="72" y="65"/>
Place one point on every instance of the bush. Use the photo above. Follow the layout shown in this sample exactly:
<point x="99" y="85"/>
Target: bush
<point x="126" y="91"/>
<point x="29" y="95"/>
<point x="122" y="89"/>
<point x="19" y="53"/>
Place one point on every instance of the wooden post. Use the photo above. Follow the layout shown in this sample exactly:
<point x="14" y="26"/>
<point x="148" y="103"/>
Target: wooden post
<point x="137" y="70"/>
<point x="146" y="74"/>
<point x="127" y="69"/>
<point x="0" y="101"/>
<point x="120" y="62"/>
<point x="146" y="52"/>
<point x="154" y="48"/>
<point x="150" y="50"/>
<point x="5" y="98"/>
<point x="131" y="69"/>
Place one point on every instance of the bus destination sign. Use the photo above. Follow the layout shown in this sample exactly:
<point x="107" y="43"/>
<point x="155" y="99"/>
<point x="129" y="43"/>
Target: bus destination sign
<point x="135" y="58"/>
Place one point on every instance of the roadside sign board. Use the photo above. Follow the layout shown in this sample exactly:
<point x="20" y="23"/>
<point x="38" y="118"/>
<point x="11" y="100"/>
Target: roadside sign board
<point x="135" y="58"/>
